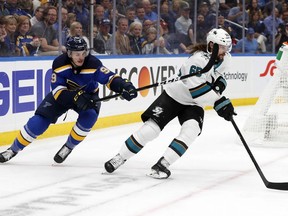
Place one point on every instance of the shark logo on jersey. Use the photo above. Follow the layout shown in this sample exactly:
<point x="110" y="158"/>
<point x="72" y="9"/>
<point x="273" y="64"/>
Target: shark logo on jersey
<point x="157" y="111"/>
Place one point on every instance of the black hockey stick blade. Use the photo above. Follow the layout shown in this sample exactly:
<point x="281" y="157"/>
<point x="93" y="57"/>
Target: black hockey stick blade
<point x="209" y="65"/>
<point x="270" y="185"/>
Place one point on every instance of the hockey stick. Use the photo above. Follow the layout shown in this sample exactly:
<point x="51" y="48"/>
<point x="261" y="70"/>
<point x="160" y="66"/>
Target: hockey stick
<point x="209" y="65"/>
<point x="271" y="185"/>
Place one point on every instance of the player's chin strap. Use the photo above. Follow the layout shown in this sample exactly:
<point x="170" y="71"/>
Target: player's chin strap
<point x="209" y="65"/>
<point x="271" y="185"/>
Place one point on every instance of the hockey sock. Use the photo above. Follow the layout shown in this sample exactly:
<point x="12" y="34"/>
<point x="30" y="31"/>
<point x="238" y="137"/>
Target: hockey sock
<point x="149" y="131"/>
<point x="77" y="135"/>
<point x="83" y="126"/>
<point x="189" y="132"/>
<point x="35" y="126"/>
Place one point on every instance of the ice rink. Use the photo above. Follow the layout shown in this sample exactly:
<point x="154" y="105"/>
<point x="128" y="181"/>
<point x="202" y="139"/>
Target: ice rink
<point x="215" y="177"/>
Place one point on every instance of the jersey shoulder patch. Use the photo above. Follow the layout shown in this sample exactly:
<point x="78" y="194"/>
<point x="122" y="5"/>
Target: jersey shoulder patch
<point x="61" y="63"/>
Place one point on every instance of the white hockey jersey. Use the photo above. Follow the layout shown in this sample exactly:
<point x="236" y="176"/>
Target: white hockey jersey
<point x="196" y="90"/>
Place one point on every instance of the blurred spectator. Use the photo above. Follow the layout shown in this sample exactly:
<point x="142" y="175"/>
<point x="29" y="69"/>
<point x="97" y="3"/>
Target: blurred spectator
<point x="271" y="25"/>
<point x="146" y="25"/>
<point x="103" y="35"/>
<point x="130" y="14"/>
<point x="150" y="44"/>
<point x="167" y="15"/>
<point x="36" y="4"/>
<point x="76" y="29"/>
<point x="149" y="13"/>
<point x="269" y="6"/>
<point x="226" y="26"/>
<point x="175" y="9"/>
<point x="201" y="31"/>
<point x="70" y="5"/>
<point x="4" y="49"/>
<point x="121" y="6"/>
<point x="282" y="35"/>
<point x="10" y="27"/>
<point x="82" y="15"/>
<point x="209" y="17"/>
<point x="140" y="14"/>
<point x="13" y="8"/>
<point x="3" y="10"/>
<point x="65" y="30"/>
<point x="107" y="6"/>
<point x="122" y="40"/>
<point x="253" y="7"/>
<point x="47" y="3"/>
<point x="224" y="7"/>
<point x="98" y="45"/>
<point x="135" y="37"/>
<point x="232" y="3"/>
<point x="236" y="15"/>
<point x="26" y="6"/>
<point x="98" y="14"/>
<point x="183" y="23"/>
<point x="257" y="24"/>
<point x="285" y="15"/>
<point x="71" y="17"/>
<point x="38" y="15"/>
<point x="47" y="34"/>
<point x="26" y="44"/>
<point x="250" y="43"/>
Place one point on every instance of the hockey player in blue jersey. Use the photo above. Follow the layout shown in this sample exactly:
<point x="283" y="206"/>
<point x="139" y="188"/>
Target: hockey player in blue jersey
<point x="75" y="85"/>
<point x="185" y="100"/>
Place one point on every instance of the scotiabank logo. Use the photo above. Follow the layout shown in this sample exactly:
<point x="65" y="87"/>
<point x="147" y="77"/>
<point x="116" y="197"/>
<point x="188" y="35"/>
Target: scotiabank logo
<point x="270" y="67"/>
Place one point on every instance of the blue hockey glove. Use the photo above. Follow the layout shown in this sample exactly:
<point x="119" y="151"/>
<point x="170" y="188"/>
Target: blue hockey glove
<point x="129" y="91"/>
<point x="224" y="108"/>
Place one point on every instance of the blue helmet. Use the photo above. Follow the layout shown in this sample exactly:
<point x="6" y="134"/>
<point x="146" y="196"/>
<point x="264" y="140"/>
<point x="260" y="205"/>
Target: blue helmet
<point x="76" y="43"/>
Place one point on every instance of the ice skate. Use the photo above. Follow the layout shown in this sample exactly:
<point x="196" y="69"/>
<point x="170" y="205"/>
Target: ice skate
<point x="62" y="154"/>
<point x="7" y="155"/>
<point x="113" y="164"/>
<point x="160" y="170"/>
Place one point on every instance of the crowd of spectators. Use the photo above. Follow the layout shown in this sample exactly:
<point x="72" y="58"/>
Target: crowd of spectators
<point x="31" y="27"/>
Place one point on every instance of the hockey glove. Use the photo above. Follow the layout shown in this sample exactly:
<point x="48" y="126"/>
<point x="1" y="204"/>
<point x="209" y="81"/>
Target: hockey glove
<point x="129" y="91"/>
<point x="224" y="108"/>
<point x="84" y="100"/>
<point x="219" y="85"/>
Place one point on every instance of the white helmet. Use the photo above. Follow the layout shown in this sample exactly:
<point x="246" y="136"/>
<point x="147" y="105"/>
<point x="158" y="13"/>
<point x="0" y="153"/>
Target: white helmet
<point x="221" y="37"/>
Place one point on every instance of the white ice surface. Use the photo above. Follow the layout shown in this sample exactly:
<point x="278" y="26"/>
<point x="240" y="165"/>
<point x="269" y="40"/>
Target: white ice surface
<point x="215" y="177"/>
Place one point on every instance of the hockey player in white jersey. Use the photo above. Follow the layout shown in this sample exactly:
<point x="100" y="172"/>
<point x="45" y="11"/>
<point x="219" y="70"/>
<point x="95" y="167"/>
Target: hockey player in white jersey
<point x="184" y="99"/>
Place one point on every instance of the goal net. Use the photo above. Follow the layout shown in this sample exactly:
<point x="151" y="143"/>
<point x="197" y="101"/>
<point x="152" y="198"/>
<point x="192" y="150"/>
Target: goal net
<point x="267" y="125"/>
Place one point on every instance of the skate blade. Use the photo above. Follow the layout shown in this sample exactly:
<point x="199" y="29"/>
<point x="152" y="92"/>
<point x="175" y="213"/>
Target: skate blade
<point x="104" y="172"/>
<point x="157" y="175"/>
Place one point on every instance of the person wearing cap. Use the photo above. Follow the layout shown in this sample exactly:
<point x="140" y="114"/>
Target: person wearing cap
<point x="183" y="22"/>
<point x="250" y="43"/>
<point x="105" y="37"/>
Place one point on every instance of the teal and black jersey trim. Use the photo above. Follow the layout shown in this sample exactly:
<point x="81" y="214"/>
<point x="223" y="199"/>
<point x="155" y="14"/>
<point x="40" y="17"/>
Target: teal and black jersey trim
<point x="200" y="90"/>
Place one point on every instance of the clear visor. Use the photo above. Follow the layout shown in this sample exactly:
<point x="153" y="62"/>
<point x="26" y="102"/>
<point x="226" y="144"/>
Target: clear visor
<point x="223" y="48"/>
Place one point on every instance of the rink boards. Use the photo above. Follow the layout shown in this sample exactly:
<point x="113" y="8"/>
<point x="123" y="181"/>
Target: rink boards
<point x="24" y="82"/>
